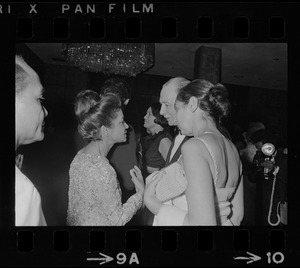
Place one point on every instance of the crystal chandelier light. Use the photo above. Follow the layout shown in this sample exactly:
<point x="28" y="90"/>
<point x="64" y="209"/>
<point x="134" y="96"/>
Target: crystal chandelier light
<point x="127" y="59"/>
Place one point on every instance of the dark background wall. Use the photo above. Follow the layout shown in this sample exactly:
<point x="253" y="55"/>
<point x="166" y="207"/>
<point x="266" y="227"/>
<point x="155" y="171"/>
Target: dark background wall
<point x="62" y="83"/>
<point x="47" y="162"/>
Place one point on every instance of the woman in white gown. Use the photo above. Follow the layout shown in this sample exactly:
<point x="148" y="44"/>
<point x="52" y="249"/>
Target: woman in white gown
<point x="205" y="186"/>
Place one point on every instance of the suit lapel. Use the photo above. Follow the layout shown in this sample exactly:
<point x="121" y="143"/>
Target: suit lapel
<point x="178" y="151"/>
<point x="169" y="153"/>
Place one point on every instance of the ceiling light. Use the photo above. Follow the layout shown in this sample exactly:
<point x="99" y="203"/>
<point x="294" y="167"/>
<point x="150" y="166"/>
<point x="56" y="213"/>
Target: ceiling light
<point x="127" y="59"/>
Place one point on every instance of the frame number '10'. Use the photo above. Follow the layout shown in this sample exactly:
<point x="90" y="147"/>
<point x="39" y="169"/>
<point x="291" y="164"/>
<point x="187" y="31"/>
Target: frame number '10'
<point x="276" y="257"/>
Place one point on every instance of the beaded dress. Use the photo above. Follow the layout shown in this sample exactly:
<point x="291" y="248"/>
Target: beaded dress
<point x="95" y="194"/>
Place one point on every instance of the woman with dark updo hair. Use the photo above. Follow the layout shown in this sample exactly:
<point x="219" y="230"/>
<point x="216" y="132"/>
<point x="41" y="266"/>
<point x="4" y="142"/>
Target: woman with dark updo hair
<point x="94" y="192"/>
<point x="158" y="142"/>
<point x="155" y="146"/>
<point x="207" y="177"/>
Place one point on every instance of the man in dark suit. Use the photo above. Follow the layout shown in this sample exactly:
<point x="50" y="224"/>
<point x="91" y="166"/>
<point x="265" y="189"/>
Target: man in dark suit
<point x="167" y="99"/>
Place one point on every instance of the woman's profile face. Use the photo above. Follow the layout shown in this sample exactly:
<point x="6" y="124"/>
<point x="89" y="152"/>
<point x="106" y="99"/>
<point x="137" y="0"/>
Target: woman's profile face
<point x="118" y="128"/>
<point x="149" y="119"/>
<point x="30" y="113"/>
<point x="183" y="118"/>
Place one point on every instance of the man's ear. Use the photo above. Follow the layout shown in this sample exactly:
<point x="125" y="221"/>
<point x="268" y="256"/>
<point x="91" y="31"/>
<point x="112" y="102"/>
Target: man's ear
<point x="193" y="104"/>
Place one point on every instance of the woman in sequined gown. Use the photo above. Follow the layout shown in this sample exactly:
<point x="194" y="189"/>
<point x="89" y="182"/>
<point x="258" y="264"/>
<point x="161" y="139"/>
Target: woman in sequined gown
<point x="205" y="186"/>
<point x="94" y="191"/>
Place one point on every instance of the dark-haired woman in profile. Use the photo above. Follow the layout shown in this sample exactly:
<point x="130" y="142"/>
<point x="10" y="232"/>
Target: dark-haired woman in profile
<point x="155" y="147"/>
<point x="94" y="191"/>
<point x="159" y="140"/>
<point x="209" y="164"/>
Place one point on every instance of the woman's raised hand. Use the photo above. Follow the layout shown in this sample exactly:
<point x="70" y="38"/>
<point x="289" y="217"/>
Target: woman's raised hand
<point x="137" y="178"/>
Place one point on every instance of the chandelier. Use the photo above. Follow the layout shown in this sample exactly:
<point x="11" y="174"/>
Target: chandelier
<point x="127" y="59"/>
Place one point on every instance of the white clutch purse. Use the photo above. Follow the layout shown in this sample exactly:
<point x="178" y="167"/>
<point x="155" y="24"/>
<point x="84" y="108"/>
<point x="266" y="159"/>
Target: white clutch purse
<point x="172" y="184"/>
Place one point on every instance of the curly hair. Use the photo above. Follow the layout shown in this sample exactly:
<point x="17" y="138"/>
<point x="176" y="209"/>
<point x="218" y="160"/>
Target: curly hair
<point x="93" y="111"/>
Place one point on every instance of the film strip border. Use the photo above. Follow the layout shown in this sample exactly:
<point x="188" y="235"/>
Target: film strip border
<point x="162" y="22"/>
<point x="133" y="28"/>
<point x="169" y="22"/>
<point x="156" y="246"/>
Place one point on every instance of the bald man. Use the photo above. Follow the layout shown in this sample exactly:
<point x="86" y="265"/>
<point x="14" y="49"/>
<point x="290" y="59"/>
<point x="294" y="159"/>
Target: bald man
<point x="167" y="99"/>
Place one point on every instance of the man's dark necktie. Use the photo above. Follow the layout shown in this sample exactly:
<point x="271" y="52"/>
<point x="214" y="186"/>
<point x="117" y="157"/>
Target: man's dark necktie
<point x="177" y="153"/>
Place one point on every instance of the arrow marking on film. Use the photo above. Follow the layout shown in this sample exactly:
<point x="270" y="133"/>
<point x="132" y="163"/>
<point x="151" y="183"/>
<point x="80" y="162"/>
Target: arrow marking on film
<point x="251" y="258"/>
<point x="103" y="260"/>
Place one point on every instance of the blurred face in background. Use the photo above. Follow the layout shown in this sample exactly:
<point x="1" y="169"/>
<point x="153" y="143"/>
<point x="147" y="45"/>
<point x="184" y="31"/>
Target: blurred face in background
<point x="258" y="145"/>
<point x="149" y="119"/>
<point x="30" y="113"/>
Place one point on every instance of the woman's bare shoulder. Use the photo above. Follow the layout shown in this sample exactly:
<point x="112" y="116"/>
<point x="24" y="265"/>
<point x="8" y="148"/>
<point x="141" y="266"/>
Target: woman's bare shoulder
<point x="193" y="146"/>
